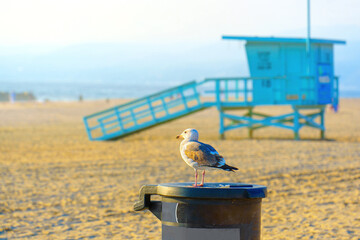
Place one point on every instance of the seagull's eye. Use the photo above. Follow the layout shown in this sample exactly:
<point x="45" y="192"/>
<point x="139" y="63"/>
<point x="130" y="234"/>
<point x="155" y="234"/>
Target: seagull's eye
<point x="185" y="132"/>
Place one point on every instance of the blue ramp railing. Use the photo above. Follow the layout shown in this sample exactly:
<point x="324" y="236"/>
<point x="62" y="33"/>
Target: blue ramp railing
<point x="143" y="113"/>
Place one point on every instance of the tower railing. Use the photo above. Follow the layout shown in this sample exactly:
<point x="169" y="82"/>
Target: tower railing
<point x="240" y="91"/>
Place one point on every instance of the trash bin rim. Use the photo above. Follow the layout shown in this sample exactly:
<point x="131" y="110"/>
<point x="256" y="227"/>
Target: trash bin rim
<point x="212" y="190"/>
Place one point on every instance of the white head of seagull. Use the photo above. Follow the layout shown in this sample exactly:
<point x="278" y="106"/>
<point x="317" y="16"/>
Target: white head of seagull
<point x="200" y="156"/>
<point x="189" y="134"/>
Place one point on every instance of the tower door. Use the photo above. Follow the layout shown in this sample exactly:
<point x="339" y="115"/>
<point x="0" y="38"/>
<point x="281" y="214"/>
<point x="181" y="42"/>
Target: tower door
<point x="294" y="69"/>
<point x="325" y="80"/>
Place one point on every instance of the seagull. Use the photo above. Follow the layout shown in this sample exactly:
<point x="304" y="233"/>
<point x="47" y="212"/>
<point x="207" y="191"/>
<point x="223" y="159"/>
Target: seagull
<point x="200" y="156"/>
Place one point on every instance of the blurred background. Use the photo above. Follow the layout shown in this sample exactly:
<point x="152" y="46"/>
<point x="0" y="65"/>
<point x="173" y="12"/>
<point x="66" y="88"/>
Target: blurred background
<point x="60" y="50"/>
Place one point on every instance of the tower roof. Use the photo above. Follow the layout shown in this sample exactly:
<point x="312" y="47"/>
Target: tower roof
<point x="282" y="40"/>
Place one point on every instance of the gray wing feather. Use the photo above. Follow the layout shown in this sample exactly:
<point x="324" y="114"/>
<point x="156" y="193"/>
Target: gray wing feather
<point x="210" y="148"/>
<point x="203" y="155"/>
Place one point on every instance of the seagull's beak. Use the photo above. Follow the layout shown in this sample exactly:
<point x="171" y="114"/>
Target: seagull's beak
<point x="179" y="136"/>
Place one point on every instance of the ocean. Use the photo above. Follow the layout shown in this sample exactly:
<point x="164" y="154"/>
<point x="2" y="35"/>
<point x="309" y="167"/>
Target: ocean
<point x="55" y="91"/>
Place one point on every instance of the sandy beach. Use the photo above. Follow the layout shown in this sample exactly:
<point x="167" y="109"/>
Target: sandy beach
<point x="56" y="184"/>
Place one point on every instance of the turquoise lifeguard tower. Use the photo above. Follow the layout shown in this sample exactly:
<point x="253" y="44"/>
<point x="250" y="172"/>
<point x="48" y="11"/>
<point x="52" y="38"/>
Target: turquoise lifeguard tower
<point x="283" y="71"/>
<point x="310" y="80"/>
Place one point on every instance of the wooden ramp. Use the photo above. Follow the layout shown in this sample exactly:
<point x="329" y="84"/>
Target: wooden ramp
<point x="144" y="113"/>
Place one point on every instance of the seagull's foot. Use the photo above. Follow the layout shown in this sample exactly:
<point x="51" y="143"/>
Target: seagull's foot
<point x="201" y="185"/>
<point x="196" y="185"/>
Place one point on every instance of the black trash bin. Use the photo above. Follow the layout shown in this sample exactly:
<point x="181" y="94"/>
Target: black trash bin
<point x="216" y="211"/>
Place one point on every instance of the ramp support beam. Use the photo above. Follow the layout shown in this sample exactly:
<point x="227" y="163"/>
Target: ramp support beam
<point x="255" y="120"/>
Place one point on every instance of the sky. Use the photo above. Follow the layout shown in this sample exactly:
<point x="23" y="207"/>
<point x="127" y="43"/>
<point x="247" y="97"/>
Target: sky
<point x="66" y="22"/>
<point x="157" y="40"/>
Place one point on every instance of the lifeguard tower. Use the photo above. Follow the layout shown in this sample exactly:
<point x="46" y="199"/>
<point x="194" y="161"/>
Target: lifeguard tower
<point x="309" y="80"/>
<point x="290" y="71"/>
<point x="283" y="71"/>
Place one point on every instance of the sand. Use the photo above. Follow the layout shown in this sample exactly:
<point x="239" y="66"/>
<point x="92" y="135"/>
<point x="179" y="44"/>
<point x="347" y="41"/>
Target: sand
<point x="56" y="184"/>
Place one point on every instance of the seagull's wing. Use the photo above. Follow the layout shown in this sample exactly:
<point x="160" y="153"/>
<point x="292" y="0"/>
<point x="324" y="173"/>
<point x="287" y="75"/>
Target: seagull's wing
<point x="203" y="154"/>
<point x="212" y="150"/>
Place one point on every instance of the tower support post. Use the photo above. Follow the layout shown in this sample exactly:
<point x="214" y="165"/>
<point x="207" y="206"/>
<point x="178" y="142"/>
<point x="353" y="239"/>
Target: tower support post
<point x="253" y="120"/>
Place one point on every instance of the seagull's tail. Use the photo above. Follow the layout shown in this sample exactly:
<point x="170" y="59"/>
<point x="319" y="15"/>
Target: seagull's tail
<point x="228" y="168"/>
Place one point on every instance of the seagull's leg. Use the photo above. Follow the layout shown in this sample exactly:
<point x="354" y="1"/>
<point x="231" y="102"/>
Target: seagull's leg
<point x="202" y="180"/>
<point x="195" y="185"/>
